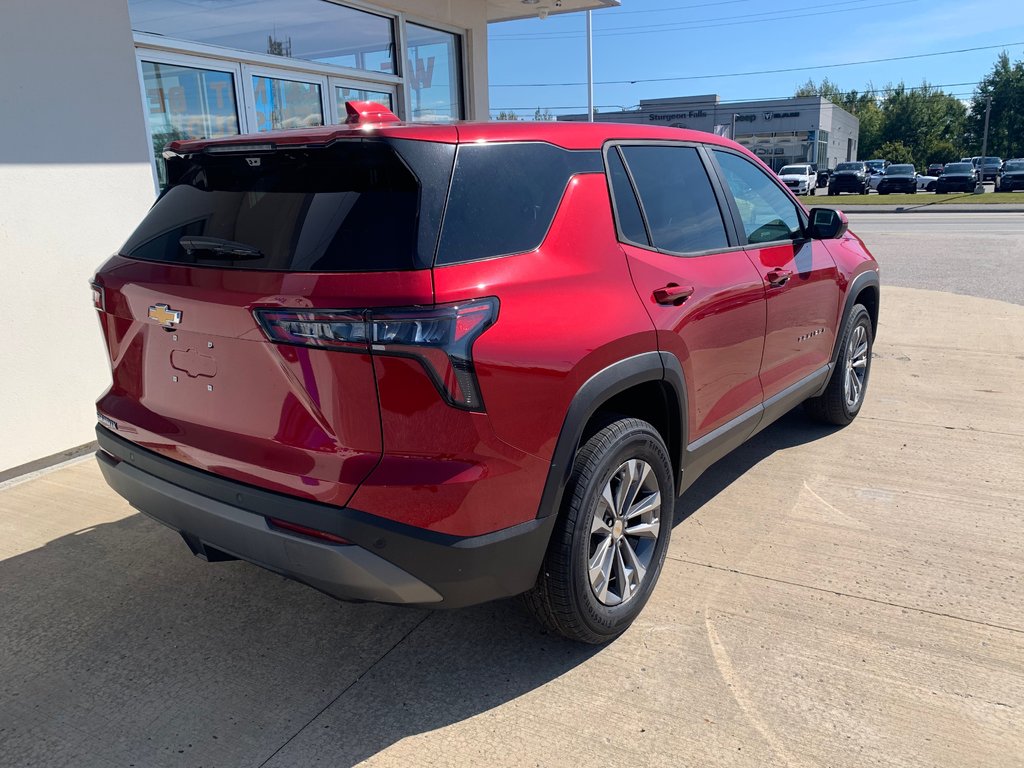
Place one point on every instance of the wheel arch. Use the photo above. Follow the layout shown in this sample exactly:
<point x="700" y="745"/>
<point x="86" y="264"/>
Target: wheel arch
<point x="648" y="386"/>
<point x="864" y="289"/>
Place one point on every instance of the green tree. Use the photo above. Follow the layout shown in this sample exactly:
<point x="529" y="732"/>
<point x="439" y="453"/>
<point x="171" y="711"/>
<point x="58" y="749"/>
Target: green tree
<point x="510" y="116"/>
<point x="896" y="152"/>
<point x="1005" y="86"/>
<point x="543" y="116"/>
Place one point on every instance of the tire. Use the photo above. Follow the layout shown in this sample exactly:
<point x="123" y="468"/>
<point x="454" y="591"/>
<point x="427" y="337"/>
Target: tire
<point x="930" y="187"/>
<point x="837" y="404"/>
<point x="597" y="605"/>
<point x="882" y="193"/>
<point x="913" y="191"/>
<point x="831" y="191"/>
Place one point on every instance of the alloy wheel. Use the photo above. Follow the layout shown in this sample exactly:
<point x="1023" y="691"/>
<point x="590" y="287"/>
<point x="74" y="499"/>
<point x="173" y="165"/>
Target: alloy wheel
<point x="624" y="532"/>
<point x="856" y="366"/>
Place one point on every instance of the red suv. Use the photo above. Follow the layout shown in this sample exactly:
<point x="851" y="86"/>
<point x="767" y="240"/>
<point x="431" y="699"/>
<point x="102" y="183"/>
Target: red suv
<point x="439" y="365"/>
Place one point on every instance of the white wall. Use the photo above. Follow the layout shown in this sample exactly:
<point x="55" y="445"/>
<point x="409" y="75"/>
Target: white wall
<point x="74" y="180"/>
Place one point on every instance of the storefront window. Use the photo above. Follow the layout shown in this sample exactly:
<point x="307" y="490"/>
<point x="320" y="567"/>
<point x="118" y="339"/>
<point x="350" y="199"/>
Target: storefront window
<point x="285" y="103"/>
<point x="316" y="30"/>
<point x="434" y="74"/>
<point x="343" y="94"/>
<point x="187" y="103"/>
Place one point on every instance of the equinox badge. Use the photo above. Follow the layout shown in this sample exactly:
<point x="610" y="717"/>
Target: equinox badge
<point x="165" y="315"/>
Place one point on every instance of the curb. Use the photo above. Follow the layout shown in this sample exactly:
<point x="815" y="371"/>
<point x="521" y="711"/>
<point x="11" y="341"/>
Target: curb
<point x="930" y="208"/>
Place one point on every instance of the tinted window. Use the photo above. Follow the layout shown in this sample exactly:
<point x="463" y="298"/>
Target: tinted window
<point x="767" y="212"/>
<point x="626" y="206"/>
<point x="681" y="209"/>
<point x="900" y="170"/>
<point x="959" y="168"/>
<point x="850" y="167"/>
<point x="504" y="197"/>
<point x="354" y="206"/>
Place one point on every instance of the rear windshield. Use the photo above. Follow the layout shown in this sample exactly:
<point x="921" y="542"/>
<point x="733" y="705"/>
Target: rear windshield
<point x="354" y="206"/>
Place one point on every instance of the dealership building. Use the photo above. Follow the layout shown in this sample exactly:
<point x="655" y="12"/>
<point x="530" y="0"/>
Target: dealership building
<point x="93" y="90"/>
<point x="779" y="131"/>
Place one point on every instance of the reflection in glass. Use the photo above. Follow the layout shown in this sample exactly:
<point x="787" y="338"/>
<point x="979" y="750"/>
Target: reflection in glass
<point x="434" y="74"/>
<point x="187" y="103"/>
<point x="316" y="30"/>
<point x="286" y="103"/>
<point x="343" y="94"/>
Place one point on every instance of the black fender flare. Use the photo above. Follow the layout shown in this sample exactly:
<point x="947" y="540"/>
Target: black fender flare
<point x="597" y="390"/>
<point x="860" y="282"/>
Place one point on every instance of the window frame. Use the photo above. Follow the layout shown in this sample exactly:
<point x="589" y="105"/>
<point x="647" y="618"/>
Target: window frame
<point x="732" y="233"/>
<point x="741" y="229"/>
<point x="165" y="50"/>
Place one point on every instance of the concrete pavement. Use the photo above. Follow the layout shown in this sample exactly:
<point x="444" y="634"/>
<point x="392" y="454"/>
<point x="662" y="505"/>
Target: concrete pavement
<point x="831" y="598"/>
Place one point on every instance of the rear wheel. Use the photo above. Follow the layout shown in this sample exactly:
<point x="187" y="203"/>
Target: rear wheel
<point x="609" y="544"/>
<point x="843" y="396"/>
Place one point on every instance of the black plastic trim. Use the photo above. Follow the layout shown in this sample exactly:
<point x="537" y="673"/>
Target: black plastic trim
<point x="860" y="282"/>
<point x="598" y="389"/>
<point x="464" y="570"/>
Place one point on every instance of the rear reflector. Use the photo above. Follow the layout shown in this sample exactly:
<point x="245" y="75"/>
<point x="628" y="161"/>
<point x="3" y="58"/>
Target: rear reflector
<point x="440" y="338"/>
<point x="302" y="530"/>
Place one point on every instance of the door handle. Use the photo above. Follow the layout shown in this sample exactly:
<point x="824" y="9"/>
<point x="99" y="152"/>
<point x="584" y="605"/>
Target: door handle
<point x="673" y="294"/>
<point x="778" y="277"/>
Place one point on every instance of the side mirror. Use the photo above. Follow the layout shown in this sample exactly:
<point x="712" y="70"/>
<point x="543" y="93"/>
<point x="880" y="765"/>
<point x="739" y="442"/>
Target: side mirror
<point x="827" y="224"/>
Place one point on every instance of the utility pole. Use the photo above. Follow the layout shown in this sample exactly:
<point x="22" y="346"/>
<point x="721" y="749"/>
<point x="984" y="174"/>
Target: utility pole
<point x="590" y="68"/>
<point x="980" y="189"/>
<point x="732" y="133"/>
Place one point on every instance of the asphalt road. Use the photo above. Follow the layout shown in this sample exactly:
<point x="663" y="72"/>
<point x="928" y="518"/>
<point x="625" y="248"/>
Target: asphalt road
<point x="972" y="254"/>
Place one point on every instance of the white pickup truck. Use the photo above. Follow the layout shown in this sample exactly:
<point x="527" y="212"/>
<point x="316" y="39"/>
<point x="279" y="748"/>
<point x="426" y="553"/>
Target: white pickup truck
<point x="800" y="178"/>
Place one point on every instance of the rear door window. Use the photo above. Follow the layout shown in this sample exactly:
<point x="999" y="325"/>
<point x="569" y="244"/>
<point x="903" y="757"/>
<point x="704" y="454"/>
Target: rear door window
<point x="354" y="206"/>
<point x="504" y="197"/>
<point x="678" y="201"/>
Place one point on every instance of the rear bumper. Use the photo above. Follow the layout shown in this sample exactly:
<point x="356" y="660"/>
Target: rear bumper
<point x="387" y="562"/>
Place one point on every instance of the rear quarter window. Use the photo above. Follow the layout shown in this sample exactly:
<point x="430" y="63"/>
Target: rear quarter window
<point x="504" y="197"/>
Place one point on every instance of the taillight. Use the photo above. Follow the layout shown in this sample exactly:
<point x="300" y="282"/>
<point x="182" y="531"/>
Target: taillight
<point x="440" y="337"/>
<point x="98" y="298"/>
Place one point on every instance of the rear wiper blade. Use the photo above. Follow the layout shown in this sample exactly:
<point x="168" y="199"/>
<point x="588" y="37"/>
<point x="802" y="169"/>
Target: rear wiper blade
<point x="219" y="247"/>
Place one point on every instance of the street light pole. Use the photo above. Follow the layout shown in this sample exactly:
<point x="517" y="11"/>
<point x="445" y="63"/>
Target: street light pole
<point x="590" y="68"/>
<point x="980" y="188"/>
<point x="732" y="132"/>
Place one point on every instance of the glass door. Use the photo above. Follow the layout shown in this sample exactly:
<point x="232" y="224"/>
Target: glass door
<point x="279" y="99"/>
<point x="188" y="98"/>
<point x="343" y="90"/>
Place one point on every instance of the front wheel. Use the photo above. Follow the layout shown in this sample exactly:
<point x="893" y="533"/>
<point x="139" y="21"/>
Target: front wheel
<point x="844" y="394"/>
<point x="608" y="546"/>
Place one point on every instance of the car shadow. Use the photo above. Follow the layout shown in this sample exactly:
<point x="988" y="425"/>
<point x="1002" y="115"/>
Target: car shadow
<point x="118" y="647"/>
<point x="795" y="428"/>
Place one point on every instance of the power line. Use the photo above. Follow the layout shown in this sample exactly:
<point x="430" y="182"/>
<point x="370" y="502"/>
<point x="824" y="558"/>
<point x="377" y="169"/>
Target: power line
<point x="724" y="103"/>
<point x="673" y="26"/>
<point x="759" y="72"/>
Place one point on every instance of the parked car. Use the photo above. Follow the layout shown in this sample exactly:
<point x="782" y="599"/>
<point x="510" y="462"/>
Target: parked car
<point x="354" y="354"/>
<point x="877" y="166"/>
<point x="1011" y="178"/>
<point x="800" y="178"/>
<point x="957" y="177"/>
<point x="990" y="168"/>
<point x="935" y="169"/>
<point x="849" y="177"/>
<point x="926" y="183"/>
<point x="898" y="178"/>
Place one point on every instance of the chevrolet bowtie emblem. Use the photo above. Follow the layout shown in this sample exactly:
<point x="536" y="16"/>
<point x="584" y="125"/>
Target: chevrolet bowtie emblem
<point x="165" y="315"/>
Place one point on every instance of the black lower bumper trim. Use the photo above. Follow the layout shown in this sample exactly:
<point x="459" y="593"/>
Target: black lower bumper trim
<point x="461" y="570"/>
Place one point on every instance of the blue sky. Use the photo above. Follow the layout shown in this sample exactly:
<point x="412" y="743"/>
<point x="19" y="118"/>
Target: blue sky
<point x="703" y="38"/>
